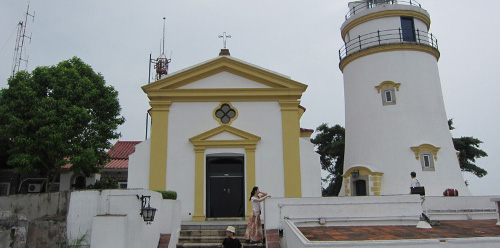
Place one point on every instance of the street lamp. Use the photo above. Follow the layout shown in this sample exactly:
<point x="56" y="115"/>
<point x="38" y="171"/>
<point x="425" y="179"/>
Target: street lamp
<point x="147" y="212"/>
<point x="355" y="173"/>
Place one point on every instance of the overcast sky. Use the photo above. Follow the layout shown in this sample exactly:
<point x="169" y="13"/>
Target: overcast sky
<point x="296" y="38"/>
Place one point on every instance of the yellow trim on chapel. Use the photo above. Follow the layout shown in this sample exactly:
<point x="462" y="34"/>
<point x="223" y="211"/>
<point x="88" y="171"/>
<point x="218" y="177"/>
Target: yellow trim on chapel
<point x="282" y="89"/>
<point x="383" y="14"/>
<point x="158" y="152"/>
<point x="201" y="142"/>
<point x="387" y="84"/>
<point x="291" y="148"/>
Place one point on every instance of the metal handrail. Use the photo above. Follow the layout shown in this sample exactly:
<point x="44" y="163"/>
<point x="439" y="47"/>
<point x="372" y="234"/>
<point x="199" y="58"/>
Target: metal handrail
<point x="390" y="36"/>
<point x="368" y="4"/>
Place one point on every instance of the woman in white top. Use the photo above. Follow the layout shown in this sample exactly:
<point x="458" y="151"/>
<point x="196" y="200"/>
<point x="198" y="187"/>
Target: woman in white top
<point x="254" y="228"/>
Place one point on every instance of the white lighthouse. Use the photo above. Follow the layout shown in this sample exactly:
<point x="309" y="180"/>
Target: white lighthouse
<point x="395" y="117"/>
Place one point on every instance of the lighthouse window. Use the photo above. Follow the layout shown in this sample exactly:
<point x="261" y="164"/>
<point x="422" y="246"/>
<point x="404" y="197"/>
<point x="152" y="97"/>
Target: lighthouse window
<point x="427" y="162"/>
<point x="388" y="96"/>
<point x="407" y="29"/>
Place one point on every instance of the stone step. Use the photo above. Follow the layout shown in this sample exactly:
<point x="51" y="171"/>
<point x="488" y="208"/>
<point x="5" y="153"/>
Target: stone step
<point x="222" y="233"/>
<point x="212" y="245"/>
<point x="211" y="227"/>
<point x="208" y="239"/>
<point x="211" y="234"/>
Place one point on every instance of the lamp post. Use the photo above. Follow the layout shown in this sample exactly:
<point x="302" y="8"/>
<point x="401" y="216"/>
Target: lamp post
<point x="355" y="173"/>
<point x="147" y="212"/>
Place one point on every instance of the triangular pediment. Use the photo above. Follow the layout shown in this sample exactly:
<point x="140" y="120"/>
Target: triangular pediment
<point x="221" y="77"/>
<point x="224" y="80"/>
<point x="225" y="136"/>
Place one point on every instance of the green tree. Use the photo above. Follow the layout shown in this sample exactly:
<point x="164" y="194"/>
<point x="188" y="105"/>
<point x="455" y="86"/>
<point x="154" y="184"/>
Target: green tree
<point x="468" y="148"/>
<point x="330" y="144"/>
<point x="59" y="115"/>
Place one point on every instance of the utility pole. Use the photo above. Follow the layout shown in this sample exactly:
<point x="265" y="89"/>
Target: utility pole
<point x="21" y="35"/>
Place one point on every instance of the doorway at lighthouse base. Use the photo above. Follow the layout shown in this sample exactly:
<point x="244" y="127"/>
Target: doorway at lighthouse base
<point x="362" y="181"/>
<point x="225" y="186"/>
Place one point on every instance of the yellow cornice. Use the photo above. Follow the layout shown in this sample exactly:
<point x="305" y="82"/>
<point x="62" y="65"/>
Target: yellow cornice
<point x="387" y="84"/>
<point x="160" y="105"/>
<point x="202" y="140"/>
<point x="289" y="105"/>
<point x="386" y="13"/>
<point x="425" y="147"/>
<point x="389" y="48"/>
<point x="221" y="64"/>
<point x="235" y="94"/>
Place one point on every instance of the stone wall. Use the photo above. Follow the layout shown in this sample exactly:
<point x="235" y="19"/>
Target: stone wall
<point x="33" y="220"/>
<point x="36" y="205"/>
<point x="13" y="229"/>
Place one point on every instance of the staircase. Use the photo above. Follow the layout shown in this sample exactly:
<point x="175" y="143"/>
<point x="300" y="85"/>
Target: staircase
<point x="211" y="234"/>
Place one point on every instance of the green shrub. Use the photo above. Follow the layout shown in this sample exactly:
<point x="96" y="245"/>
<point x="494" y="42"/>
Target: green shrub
<point x="104" y="183"/>
<point x="168" y="194"/>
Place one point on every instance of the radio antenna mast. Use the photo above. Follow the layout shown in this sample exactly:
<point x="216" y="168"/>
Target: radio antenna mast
<point x="161" y="63"/>
<point x="21" y="35"/>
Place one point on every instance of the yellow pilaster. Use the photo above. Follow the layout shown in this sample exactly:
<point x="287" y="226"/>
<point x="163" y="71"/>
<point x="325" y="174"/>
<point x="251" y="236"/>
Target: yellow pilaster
<point x="250" y="177"/>
<point x="199" y="182"/>
<point x="291" y="150"/>
<point x="159" y="135"/>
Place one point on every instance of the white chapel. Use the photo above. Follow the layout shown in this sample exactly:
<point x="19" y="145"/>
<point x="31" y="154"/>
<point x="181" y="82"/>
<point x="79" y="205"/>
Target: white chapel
<point x="220" y="128"/>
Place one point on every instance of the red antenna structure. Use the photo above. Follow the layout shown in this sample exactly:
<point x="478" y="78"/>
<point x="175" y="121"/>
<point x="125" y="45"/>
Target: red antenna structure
<point x="21" y="35"/>
<point x="161" y="63"/>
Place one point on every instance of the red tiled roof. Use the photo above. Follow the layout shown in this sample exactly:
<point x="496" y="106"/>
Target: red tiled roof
<point x="307" y="130"/>
<point x="123" y="149"/>
<point x="117" y="164"/>
<point x="119" y="155"/>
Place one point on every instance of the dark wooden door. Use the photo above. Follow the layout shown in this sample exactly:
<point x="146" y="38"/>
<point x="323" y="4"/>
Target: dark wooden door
<point x="225" y="186"/>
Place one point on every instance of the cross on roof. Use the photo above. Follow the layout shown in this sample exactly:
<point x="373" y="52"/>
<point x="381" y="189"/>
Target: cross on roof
<point x="224" y="38"/>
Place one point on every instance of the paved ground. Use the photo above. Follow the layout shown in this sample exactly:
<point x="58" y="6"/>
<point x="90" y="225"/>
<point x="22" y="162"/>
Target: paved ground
<point x="447" y="229"/>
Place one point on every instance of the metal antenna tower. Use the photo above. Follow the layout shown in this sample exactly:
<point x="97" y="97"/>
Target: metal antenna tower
<point x="18" y="49"/>
<point x="161" y="63"/>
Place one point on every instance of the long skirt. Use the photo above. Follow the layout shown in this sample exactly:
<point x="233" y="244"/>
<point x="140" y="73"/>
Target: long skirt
<point x="254" y="228"/>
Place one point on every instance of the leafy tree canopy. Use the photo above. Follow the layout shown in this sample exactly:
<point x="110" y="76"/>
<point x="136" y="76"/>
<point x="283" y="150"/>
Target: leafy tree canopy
<point x="58" y="115"/>
<point x="468" y="148"/>
<point x="330" y="144"/>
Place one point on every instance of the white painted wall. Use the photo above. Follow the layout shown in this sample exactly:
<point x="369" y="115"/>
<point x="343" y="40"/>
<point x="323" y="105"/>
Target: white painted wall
<point x="223" y="80"/>
<point x="109" y="231"/>
<point x="310" y="169"/>
<point x="368" y="210"/>
<point x="460" y="208"/>
<point x="138" y="166"/>
<point x="382" y="135"/>
<point x="95" y="214"/>
<point x="187" y="120"/>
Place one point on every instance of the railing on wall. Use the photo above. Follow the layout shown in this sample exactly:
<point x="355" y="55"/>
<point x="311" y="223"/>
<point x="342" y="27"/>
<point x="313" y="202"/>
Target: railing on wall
<point x="368" y="4"/>
<point x="383" y="37"/>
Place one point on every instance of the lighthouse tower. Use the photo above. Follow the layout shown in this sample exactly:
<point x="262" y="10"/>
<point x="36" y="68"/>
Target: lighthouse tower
<point x="395" y="117"/>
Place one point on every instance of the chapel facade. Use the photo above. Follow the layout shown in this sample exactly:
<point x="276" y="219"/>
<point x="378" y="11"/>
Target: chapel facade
<point x="220" y="128"/>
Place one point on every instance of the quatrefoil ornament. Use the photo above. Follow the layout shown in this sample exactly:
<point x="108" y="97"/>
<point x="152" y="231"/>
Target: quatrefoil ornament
<point x="225" y="113"/>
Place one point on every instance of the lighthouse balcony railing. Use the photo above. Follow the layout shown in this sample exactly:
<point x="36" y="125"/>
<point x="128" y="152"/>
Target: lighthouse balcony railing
<point x="356" y="7"/>
<point x="384" y="37"/>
